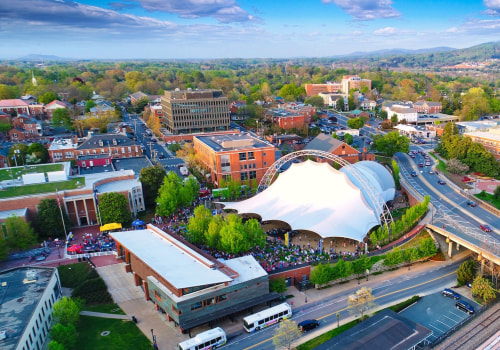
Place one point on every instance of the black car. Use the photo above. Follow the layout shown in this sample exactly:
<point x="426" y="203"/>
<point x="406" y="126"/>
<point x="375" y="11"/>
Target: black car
<point x="307" y="325"/>
<point x="464" y="306"/>
<point x="441" y="182"/>
<point x="450" y="293"/>
<point x="471" y="203"/>
<point x="161" y="156"/>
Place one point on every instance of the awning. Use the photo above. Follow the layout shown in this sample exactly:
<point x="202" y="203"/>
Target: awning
<point x="112" y="226"/>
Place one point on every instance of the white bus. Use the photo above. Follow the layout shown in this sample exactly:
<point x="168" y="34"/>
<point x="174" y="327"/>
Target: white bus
<point x="267" y="317"/>
<point x="208" y="340"/>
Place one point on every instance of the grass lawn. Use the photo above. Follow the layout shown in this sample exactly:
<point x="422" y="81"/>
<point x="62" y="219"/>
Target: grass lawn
<point x="124" y="335"/>
<point x="105" y="308"/>
<point x="42" y="188"/>
<point x="487" y="197"/>
<point x="415" y="241"/>
<point x="73" y="275"/>
<point x="6" y="174"/>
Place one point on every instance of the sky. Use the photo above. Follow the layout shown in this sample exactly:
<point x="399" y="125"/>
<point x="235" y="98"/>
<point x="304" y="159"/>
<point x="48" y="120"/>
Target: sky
<point x="163" y="29"/>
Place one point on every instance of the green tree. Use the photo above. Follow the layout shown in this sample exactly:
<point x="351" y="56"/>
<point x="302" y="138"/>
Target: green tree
<point x="496" y="193"/>
<point x="139" y="105"/>
<point x="151" y="179"/>
<point x="394" y="119"/>
<point x="359" y="266"/>
<point x="175" y="193"/>
<point x="67" y="310"/>
<point x="113" y="207"/>
<point x="340" y="104"/>
<point x="350" y="102"/>
<point x="88" y="105"/>
<point x="316" y="101"/>
<point x="37" y="150"/>
<point x="14" y="157"/>
<point x="320" y="274"/>
<point x="212" y="235"/>
<point x="360" y="301"/>
<point x="348" y="138"/>
<point x="277" y="285"/>
<point x="48" y="97"/>
<point x="64" y="335"/>
<point x="466" y="272"/>
<point x="9" y="92"/>
<point x="355" y="123"/>
<point x="286" y="334"/>
<point x="483" y="288"/>
<point x="5" y="126"/>
<point x="18" y="233"/>
<point x="61" y="117"/>
<point x="343" y="268"/>
<point x="53" y="345"/>
<point x="475" y="104"/>
<point x="4" y="245"/>
<point x="391" y="143"/>
<point x="198" y="224"/>
<point x="48" y="222"/>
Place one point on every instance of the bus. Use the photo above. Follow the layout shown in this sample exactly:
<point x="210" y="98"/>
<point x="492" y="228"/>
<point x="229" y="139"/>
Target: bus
<point x="266" y="318"/>
<point x="208" y="340"/>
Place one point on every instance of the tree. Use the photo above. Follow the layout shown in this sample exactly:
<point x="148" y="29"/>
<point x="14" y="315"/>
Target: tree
<point x="340" y="104"/>
<point x="359" y="266"/>
<point x="348" y="138"/>
<point x="391" y="143"/>
<point x="394" y="119"/>
<point x="5" y="126"/>
<point x="113" y="207"/>
<point x="88" y="105"/>
<point x="151" y="178"/>
<point x="61" y="117"/>
<point x="316" y="101"/>
<point x="4" y="245"/>
<point x="355" y="123"/>
<point x="466" y="272"/>
<point x="67" y="310"/>
<point x="350" y="102"/>
<point x="18" y="233"/>
<point x="483" y="288"/>
<point x="175" y="193"/>
<point x="39" y="152"/>
<point x="475" y="104"/>
<point x="139" y="105"/>
<point x="63" y="336"/>
<point x="286" y="334"/>
<point x="48" y="222"/>
<point x="277" y="285"/>
<point x="386" y="124"/>
<point x="17" y="154"/>
<point x="48" y="97"/>
<point x="360" y="301"/>
<point x="198" y="224"/>
<point x="496" y="193"/>
<point x="343" y="269"/>
<point x="455" y="166"/>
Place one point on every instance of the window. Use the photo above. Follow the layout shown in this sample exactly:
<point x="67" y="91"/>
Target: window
<point x="224" y="163"/>
<point x="176" y="310"/>
<point x="196" y="306"/>
<point x="123" y="150"/>
<point x="157" y="296"/>
<point x="253" y="174"/>
<point x="243" y="176"/>
<point x="251" y="155"/>
<point x="243" y="156"/>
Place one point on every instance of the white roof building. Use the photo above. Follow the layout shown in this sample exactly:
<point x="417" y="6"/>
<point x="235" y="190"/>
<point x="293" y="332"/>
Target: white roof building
<point x="316" y="197"/>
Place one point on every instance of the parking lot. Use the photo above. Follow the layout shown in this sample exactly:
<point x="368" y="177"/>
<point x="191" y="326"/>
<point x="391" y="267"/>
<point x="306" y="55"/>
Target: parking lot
<point x="438" y="313"/>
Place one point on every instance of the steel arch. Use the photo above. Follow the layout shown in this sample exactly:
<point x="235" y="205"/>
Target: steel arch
<point x="381" y="208"/>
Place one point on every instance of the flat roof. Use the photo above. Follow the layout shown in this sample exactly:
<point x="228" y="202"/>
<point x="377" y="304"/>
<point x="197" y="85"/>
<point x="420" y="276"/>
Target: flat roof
<point x="180" y="265"/>
<point x="116" y="186"/>
<point x="483" y="135"/>
<point x="247" y="268"/>
<point x="385" y="330"/>
<point x="16" y="212"/>
<point x="217" y="142"/>
<point x="20" y="294"/>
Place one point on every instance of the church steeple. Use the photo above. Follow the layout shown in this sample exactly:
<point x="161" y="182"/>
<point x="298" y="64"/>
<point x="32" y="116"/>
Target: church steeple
<point x="33" y="79"/>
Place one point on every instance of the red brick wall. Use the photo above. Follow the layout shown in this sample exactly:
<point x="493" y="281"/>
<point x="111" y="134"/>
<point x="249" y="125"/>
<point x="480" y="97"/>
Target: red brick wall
<point x="296" y="273"/>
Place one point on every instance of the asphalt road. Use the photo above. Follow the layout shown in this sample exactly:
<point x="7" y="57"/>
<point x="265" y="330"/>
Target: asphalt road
<point x="155" y="151"/>
<point x="386" y="292"/>
<point x="452" y="208"/>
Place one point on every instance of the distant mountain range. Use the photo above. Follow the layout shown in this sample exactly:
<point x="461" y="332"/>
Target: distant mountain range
<point x="35" y="57"/>
<point x="393" y="52"/>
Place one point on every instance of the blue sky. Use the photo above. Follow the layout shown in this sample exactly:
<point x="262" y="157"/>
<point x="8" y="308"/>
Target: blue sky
<point x="162" y="29"/>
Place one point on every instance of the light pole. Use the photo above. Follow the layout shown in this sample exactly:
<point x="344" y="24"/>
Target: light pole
<point x="338" y="320"/>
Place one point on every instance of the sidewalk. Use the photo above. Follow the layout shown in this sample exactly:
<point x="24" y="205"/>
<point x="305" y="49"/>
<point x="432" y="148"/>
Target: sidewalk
<point x="104" y="315"/>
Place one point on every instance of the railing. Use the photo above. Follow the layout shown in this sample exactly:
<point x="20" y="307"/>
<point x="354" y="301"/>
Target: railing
<point x="81" y="256"/>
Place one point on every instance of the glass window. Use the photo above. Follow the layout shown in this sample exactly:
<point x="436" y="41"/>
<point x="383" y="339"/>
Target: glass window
<point x="251" y="155"/>
<point x="243" y="156"/>
<point x="243" y="176"/>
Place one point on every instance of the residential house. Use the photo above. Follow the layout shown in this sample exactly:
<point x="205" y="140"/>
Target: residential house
<point x="52" y="106"/>
<point x="330" y="99"/>
<point x="102" y="111"/>
<point x="327" y="143"/>
<point x="25" y="128"/>
<point x="14" y="107"/>
<point x="402" y="111"/>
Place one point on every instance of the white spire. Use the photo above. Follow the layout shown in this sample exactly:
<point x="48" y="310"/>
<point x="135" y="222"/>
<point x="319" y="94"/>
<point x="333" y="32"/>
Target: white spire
<point x="33" y="79"/>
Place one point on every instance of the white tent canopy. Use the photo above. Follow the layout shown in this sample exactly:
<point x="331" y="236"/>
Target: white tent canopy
<point x="316" y="197"/>
<point x="406" y="128"/>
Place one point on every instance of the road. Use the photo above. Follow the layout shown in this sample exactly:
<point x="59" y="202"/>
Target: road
<point x="386" y="292"/>
<point x="155" y="151"/>
<point x="451" y="207"/>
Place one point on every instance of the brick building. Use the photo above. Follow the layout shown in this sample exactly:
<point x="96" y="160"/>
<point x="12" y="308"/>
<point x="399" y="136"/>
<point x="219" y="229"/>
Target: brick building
<point x="315" y="89"/>
<point x="190" y="111"/>
<point x="190" y="287"/>
<point x="354" y="82"/>
<point x="25" y="128"/>
<point x="427" y="107"/>
<point x="489" y="139"/>
<point x="285" y="119"/>
<point x="80" y="204"/>
<point x="52" y="106"/>
<point x="95" y="150"/>
<point x="240" y="156"/>
<point x="326" y="143"/>
<point x="14" y="107"/>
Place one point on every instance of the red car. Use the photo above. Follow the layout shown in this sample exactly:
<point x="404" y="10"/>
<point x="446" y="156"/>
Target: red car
<point x="485" y="228"/>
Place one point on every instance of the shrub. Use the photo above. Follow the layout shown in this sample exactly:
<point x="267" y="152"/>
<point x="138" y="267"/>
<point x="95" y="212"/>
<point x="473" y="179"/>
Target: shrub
<point x="466" y="272"/>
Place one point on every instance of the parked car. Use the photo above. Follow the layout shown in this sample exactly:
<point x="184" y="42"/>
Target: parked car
<point x="161" y="156"/>
<point x="441" y="182"/>
<point x="464" y="306"/>
<point x="450" y="293"/>
<point x="485" y="228"/>
<point x="307" y="325"/>
<point x="471" y="203"/>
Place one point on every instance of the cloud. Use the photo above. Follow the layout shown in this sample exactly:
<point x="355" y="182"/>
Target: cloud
<point x="225" y="11"/>
<point x="387" y="31"/>
<point x="477" y="26"/>
<point x="493" y="7"/>
<point x="365" y="10"/>
<point x="118" y="6"/>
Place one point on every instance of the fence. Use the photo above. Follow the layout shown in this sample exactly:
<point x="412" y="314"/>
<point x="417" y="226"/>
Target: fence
<point x="87" y="255"/>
